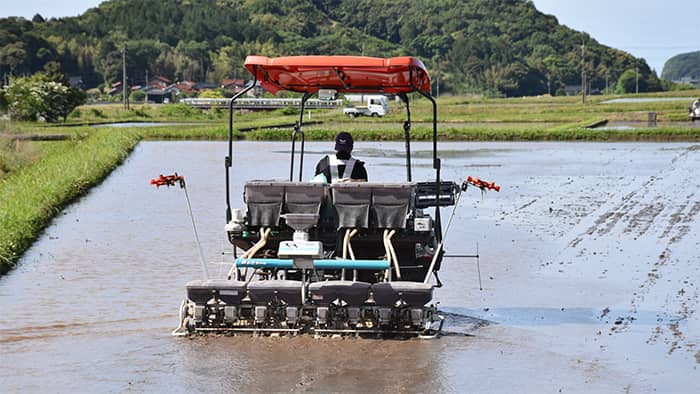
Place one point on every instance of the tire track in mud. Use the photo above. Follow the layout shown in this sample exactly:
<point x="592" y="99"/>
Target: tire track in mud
<point x="609" y="219"/>
<point x="538" y="214"/>
<point x="686" y="299"/>
<point x="638" y="215"/>
<point x="641" y="221"/>
<point x="648" y="217"/>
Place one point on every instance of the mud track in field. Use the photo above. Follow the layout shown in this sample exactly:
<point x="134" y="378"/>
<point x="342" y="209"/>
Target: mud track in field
<point x="655" y="216"/>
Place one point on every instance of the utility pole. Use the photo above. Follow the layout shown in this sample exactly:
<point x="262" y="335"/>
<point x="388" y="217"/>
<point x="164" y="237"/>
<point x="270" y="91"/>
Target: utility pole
<point x="437" y="86"/>
<point x="145" y="100"/>
<point x="125" y="95"/>
<point x="549" y="84"/>
<point x="636" y="80"/>
<point x="607" y="75"/>
<point x="583" y="72"/>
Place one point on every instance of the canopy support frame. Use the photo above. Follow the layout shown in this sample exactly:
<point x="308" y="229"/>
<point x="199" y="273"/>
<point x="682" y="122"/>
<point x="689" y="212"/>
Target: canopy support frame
<point x="299" y="131"/>
<point x="228" y="161"/>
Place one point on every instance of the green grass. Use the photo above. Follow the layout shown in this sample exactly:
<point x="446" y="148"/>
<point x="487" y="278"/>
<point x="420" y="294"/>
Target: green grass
<point x="15" y="154"/>
<point x="109" y="113"/>
<point x="541" y="109"/>
<point x="32" y="196"/>
<point x="461" y="118"/>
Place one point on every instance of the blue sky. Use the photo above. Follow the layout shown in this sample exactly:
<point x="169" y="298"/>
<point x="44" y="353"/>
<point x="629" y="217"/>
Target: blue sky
<point x="652" y="29"/>
<point x="47" y="8"/>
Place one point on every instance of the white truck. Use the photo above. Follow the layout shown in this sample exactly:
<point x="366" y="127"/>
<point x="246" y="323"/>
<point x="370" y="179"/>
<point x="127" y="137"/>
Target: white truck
<point x="694" y="110"/>
<point x="374" y="105"/>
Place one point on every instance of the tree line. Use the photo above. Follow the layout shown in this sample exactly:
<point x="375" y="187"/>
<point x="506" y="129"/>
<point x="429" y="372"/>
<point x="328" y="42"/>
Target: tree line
<point x="684" y="65"/>
<point x="498" y="47"/>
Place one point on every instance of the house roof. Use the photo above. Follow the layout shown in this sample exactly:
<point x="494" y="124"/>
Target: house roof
<point x="161" y="78"/>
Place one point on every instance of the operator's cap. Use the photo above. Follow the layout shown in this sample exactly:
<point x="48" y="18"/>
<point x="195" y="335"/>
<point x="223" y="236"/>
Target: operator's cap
<point x="343" y="142"/>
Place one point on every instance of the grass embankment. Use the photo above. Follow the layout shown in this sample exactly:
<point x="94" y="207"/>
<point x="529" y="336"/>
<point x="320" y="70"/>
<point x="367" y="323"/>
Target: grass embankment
<point x="32" y="196"/>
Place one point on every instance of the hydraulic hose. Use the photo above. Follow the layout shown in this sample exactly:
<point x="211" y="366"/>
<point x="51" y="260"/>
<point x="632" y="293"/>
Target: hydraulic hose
<point x="264" y="234"/>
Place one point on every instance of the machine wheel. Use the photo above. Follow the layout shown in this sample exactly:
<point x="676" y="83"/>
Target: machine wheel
<point x="374" y="114"/>
<point x="351" y="115"/>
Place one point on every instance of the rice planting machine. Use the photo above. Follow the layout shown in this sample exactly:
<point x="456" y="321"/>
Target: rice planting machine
<point x="330" y="259"/>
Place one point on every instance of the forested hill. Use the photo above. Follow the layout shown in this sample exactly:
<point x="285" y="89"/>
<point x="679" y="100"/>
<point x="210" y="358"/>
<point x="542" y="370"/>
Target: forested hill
<point x="685" y="65"/>
<point x="495" y="46"/>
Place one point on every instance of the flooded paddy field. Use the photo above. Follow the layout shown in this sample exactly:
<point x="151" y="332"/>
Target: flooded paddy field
<point x="589" y="260"/>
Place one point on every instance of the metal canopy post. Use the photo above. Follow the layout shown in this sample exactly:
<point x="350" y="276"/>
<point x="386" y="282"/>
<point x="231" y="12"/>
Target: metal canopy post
<point x="229" y="159"/>
<point x="298" y="130"/>
<point x="436" y="160"/>
<point x="407" y="135"/>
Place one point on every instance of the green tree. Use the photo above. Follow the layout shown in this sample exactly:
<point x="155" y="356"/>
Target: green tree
<point x="24" y="101"/>
<point x="685" y="65"/>
<point x="38" y="19"/>
<point x="627" y="83"/>
<point x="504" y="47"/>
<point x="211" y="94"/>
<point x="14" y="55"/>
<point x="35" y="97"/>
<point x="54" y="73"/>
<point x="137" y="96"/>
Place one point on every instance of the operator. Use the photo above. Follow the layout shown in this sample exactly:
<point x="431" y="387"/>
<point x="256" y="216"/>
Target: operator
<point x="342" y="167"/>
<point x="694" y="109"/>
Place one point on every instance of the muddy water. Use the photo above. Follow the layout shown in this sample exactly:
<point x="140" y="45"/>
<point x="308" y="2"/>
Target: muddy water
<point x="588" y="261"/>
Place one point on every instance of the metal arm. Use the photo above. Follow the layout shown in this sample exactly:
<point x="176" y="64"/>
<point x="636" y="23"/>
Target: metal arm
<point x="407" y="135"/>
<point x="297" y="130"/>
<point x="229" y="159"/>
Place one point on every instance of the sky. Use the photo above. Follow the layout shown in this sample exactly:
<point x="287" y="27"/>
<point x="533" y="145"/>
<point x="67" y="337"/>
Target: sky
<point x="47" y="8"/>
<point x="652" y="29"/>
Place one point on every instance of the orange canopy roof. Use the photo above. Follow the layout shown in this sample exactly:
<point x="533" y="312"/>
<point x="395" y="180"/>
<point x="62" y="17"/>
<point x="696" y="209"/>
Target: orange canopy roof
<point x="343" y="73"/>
